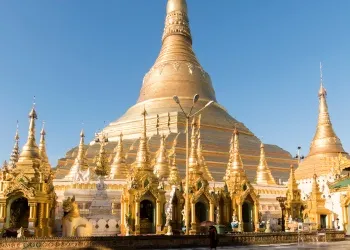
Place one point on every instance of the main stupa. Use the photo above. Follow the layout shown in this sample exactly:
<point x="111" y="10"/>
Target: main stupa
<point x="177" y="71"/>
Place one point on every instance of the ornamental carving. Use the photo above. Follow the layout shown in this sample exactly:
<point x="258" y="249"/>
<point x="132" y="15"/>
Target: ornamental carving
<point x="19" y="187"/>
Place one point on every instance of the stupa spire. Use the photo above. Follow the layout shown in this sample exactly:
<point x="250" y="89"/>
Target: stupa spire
<point x="325" y="139"/>
<point x="119" y="168"/>
<point x="230" y="159"/>
<point x="263" y="175"/>
<point x="194" y="167"/>
<point x="176" y="70"/>
<point x="80" y="163"/>
<point x="203" y="165"/>
<point x="143" y="156"/>
<point x="292" y="183"/>
<point x="15" y="152"/>
<point x="30" y="150"/>
<point x="102" y="165"/>
<point x="161" y="167"/>
<point x="45" y="165"/>
<point x="237" y="164"/>
<point x="176" y="22"/>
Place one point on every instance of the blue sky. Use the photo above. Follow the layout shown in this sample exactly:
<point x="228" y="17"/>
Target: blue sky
<point x="84" y="61"/>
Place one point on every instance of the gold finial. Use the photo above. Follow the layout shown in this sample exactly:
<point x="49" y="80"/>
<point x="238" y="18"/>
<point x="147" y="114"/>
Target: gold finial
<point x="119" y="168"/>
<point x="17" y="134"/>
<point x="174" y="178"/>
<point x="161" y="168"/>
<point x="322" y="91"/>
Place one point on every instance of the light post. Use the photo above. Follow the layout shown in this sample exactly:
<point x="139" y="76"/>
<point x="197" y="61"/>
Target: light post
<point x="282" y="201"/>
<point x="298" y="156"/>
<point x="188" y="116"/>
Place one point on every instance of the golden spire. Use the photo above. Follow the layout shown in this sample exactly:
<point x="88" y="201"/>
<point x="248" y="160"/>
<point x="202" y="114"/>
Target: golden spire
<point x="176" y="64"/>
<point x="316" y="194"/>
<point x="203" y="166"/>
<point x="80" y="163"/>
<point x="143" y="157"/>
<point x="15" y="152"/>
<point x="176" y="22"/>
<point x="230" y="159"/>
<point x="325" y="139"/>
<point x="237" y="164"/>
<point x="102" y="165"/>
<point x="194" y="167"/>
<point x="119" y="168"/>
<point x="292" y="183"/>
<point x="30" y="149"/>
<point x="45" y="165"/>
<point x="263" y="175"/>
<point x="161" y="168"/>
<point x="174" y="178"/>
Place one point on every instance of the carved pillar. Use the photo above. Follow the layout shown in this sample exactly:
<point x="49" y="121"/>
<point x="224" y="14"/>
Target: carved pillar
<point x="137" y="217"/>
<point x="345" y="216"/>
<point x="2" y="214"/>
<point x="193" y="219"/>
<point x="122" y="216"/>
<point x="158" y="217"/>
<point x="226" y="214"/>
<point x="211" y="212"/>
<point x="256" y="216"/>
<point x="32" y="216"/>
<point x="240" y="217"/>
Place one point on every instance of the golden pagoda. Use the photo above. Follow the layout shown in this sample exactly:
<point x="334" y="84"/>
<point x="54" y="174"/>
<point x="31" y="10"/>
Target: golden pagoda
<point x="27" y="197"/>
<point x="315" y="210"/>
<point x="324" y="145"/>
<point x="177" y="71"/>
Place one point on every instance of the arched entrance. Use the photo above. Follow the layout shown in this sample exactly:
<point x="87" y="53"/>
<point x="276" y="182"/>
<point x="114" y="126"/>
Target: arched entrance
<point x="201" y="212"/>
<point x="147" y="218"/>
<point x="18" y="213"/>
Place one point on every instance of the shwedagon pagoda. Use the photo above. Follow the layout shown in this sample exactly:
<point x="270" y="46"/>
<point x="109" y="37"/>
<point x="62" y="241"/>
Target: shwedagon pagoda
<point x="131" y="179"/>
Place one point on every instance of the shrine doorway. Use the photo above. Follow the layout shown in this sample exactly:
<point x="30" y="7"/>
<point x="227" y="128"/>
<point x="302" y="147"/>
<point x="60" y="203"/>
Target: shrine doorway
<point x="176" y="218"/>
<point x="147" y="218"/>
<point x="17" y="213"/>
<point x="201" y="211"/>
<point x="247" y="215"/>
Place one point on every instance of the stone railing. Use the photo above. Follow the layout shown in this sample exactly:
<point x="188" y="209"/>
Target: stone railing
<point x="160" y="241"/>
<point x="100" y="227"/>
